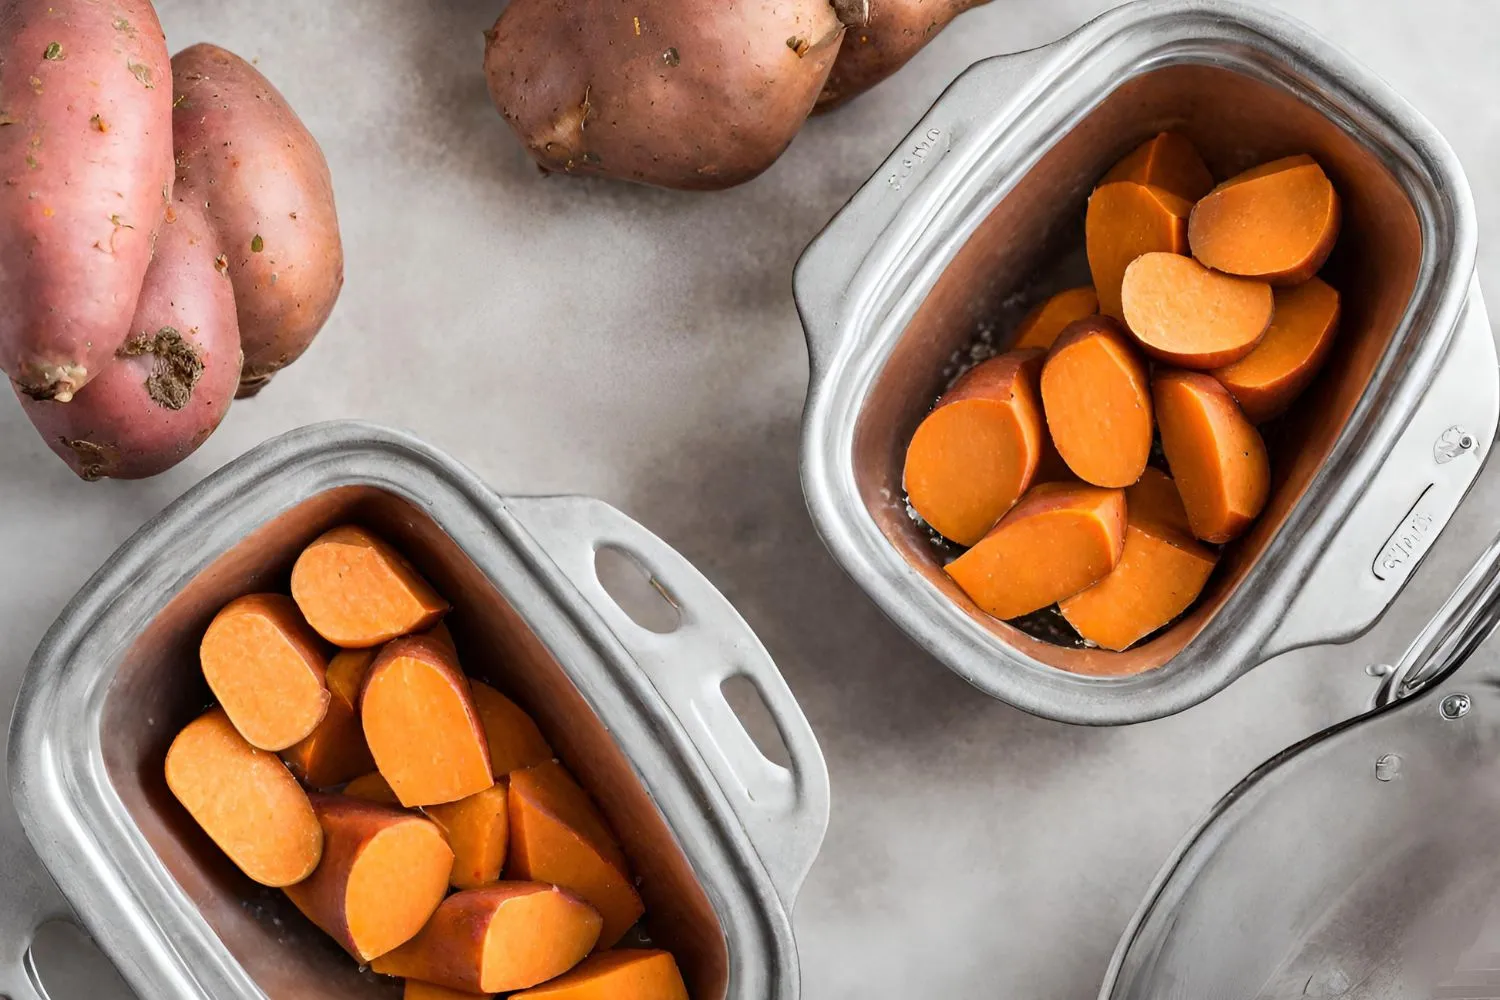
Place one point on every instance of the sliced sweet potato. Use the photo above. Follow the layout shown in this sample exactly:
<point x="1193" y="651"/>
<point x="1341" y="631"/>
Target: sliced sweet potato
<point x="616" y="975"/>
<point x="415" y="989"/>
<point x="975" y="453"/>
<point x="1040" y="327"/>
<point x="513" y="738"/>
<point x="383" y="873"/>
<point x="506" y="936"/>
<point x="1277" y="222"/>
<point x="245" y="800"/>
<point x="1184" y="314"/>
<point x="372" y="787"/>
<point x="1160" y="574"/>
<point x="478" y="830"/>
<point x="1169" y="161"/>
<point x="421" y="724"/>
<point x="1096" y="394"/>
<point x="1265" y="381"/>
<point x="557" y="836"/>
<point x="357" y="591"/>
<point x="1125" y="220"/>
<point x="336" y="752"/>
<point x="1058" y="540"/>
<point x="266" y="667"/>
<point x="1216" y="455"/>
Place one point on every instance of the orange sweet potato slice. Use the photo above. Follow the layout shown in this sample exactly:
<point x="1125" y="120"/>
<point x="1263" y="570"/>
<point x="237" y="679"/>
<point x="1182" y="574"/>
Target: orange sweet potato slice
<point x="245" y="800"/>
<point x="357" y="591"/>
<point x="336" y="752"/>
<point x="1217" y="457"/>
<point x="265" y="666"/>
<point x="1040" y="327"/>
<point x="1160" y="574"/>
<point x="1184" y="314"/>
<point x="384" y="871"/>
<point x="506" y="936"/>
<point x="1096" y="394"/>
<point x="975" y="453"/>
<point x="415" y="989"/>
<point x="1125" y="220"/>
<point x="1169" y="161"/>
<point x="478" y="830"/>
<point x="421" y="724"/>
<point x="1266" y="380"/>
<point x="372" y="787"/>
<point x="615" y="975"/>
<point x="1277" y="222"/>
<point x="557" y="836"/>
<point x="1058" y="540"/>
<point x="514" y="740"/>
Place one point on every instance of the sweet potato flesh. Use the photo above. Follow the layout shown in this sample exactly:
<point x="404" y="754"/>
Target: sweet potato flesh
<point x="336" y="752"/>
<point x="1097" y="399"/>
<point x="1277" y="222"/>
<point x="513" y="739"/>
<point x="357" y="591"/>
<point x="1125" y="220"/>
<point x="1217" y="457"/>
<point x="372" y="787"/>
<point x="415" y="989"/>
<point x="478" y="830"/>
<point x="1185" y="314"/>
<point x="1041" y="326"/>
<point x="616" y="975"/>
<point x="1269" y="378"/>
<point x="1169" y="161"/>
<point x="266" y="668"/>
<point x="403" y="855"/>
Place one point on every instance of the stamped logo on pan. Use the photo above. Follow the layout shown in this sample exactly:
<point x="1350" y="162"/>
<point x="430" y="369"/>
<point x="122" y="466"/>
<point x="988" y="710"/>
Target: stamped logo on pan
<point x="925" y="148"/>
<point x="1408" y="541"/>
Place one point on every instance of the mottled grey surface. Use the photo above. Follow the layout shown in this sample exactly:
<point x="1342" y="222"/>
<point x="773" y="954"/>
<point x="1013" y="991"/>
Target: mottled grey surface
<point x="642" y="346"/>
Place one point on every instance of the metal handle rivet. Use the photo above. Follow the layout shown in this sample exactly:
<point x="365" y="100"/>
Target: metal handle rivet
<point x="1387" y="767"/>
<point x="1455" y="706"/>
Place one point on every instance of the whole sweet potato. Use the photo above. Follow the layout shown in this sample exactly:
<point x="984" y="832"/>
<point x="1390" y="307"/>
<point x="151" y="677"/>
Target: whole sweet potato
<point x="243" y="152"/>
<point x="896" y="31"/>
<point x="678" y="93"/>
<point x="85" y="173"/>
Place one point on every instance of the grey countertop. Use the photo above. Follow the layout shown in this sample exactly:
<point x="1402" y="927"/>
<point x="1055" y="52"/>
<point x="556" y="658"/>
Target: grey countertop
<point x="570" y="336"/>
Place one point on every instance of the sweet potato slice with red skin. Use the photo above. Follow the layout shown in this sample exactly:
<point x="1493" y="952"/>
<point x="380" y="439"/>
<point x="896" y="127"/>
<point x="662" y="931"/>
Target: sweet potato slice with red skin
<point x="896" y="30"/>
<point x="336" y="751"/>
<point x="1182" y="313"/>
<point x="1217" y="457"/>
<point x="616" y="975"/>
<point x="514" y="740"/>
<point x="1041" y="327"/>
<point x="1125" y="220"/>
<point x="267" y="669"/>
<point x="415" y="989"/>
<point x="357" y="591"/>
<point x="245" y="800"/>
<point x="1058" y="540"/>
<point x="1096" y="394"/>
<point x="1160" y="574"/>
<point x="558" y="836"/>
<point x="1267" y="380"/>
<point x="86" y="163"/>
<point x="384" y="871"/>
<point x="1277" y="222"/>
<point x="974" y="455"/>
<point x="421" y="724"/>
<point x="478" y="830"/>
<point x="1168" y="160"/>
<point x="506" y="936"/>
<point x="372" y="787"/>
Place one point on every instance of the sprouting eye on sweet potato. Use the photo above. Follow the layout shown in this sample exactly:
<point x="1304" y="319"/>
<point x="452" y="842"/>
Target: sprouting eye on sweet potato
<point x="127" y="359"/>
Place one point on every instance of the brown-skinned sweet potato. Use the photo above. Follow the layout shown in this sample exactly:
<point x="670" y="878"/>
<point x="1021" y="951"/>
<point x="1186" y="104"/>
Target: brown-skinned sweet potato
<point x="896" y="31"/>
<point x="85" y="174"/>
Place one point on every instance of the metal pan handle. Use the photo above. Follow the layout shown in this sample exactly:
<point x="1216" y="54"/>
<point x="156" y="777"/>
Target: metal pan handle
<point x="784" y="812"/>
<point x="30" y="902"/>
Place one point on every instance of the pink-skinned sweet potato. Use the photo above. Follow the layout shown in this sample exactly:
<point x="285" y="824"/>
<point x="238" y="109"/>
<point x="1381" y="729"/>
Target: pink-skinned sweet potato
<point x="896" y="31"/>
<point x="85" y="175"/>
<point x="243" y="152"/>
<point x="173" y="379"/>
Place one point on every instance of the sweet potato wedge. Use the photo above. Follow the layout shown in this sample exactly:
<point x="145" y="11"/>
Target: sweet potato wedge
<point x="1041" y="326"/>
<point x="558" y="836"/>
<point x="1096" y="394"/>
<point x="976" y="452"/>
<point x="336" y="752"/>
<point x="245" y="800"/>
<point x="514" y="740"/>
<point x="1276" y="222"/>
<point x="615" y="975"/>
<point x="1265" y="381"/>
<point x="357" y="591"/>
<point x="383" y="873"/>
<point x="1058" y="540"/>
<point x="421" y="724"/>
<point x="506" y="936"/>
<point x="1184" y="314"/>
<point x="372" y="787"/>
<point x="1125" y="220"/>
<point x="478" y="830"/>
<point x="267" y="669"/>
<point x="1168" y="160"/>
<point x="1217" y="457"/>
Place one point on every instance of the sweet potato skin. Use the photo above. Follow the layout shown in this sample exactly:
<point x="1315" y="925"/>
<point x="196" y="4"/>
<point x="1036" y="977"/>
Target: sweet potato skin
<point x="172" y="380"/>
<point x="896" y="31"/>
<point x="243" y="151"/>
<point x="85" y="174"/>
<point x="678" y="93"/>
